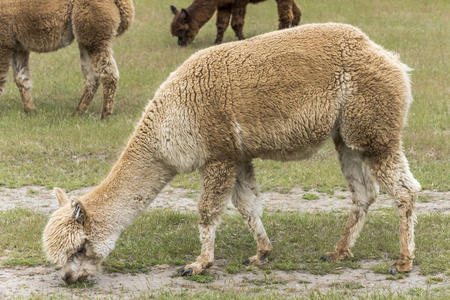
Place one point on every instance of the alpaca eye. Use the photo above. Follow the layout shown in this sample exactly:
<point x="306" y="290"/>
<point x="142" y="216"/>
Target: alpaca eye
<point x="81" y="250"/>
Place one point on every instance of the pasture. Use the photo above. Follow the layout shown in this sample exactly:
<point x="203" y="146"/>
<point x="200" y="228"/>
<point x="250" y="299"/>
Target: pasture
<point x="53" y="148"/>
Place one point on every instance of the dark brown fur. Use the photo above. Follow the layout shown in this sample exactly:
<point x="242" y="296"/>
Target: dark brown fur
<point x="187" y="22"/>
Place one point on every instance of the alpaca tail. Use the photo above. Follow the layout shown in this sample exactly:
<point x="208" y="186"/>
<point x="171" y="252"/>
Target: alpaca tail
<point x="126" y="9"/>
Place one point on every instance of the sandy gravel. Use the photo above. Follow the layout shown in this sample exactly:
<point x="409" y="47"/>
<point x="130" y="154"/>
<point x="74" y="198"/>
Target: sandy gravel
<point x="42" y="281"/>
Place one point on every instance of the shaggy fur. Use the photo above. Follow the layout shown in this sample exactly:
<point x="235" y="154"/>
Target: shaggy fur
<point x="276" y="96"/>
<point x="48" y="25"/>
<point x="187" y="22"/>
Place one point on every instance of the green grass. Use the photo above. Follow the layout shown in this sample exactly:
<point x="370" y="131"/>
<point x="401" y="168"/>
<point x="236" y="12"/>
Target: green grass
<point x="264" y="294"/>
<point x="52" y="148"/>
<point x="299" y="240"/>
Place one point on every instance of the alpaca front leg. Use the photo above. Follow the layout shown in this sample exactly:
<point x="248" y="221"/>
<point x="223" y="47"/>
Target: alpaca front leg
<point x="218" y="181"/>
<point x="297" y="14"/>
<point x="223" y="19"/>
<point x="285" y="13"/>
<point x="22" y="79"/>
<point x="245" y="198"/>
<point x="237" y="21"/>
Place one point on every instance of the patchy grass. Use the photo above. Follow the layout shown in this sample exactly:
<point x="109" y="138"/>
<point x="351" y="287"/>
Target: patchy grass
<point x="310" y="197"/>
<point x="299" y="240"/>
<point x="52" y="148"/>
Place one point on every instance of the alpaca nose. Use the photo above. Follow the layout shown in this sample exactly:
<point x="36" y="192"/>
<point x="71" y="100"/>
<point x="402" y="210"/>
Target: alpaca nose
<point x="68" y="278"/>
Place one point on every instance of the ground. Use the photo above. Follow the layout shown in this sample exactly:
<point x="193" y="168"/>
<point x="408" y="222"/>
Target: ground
<point x="42" y="281"/>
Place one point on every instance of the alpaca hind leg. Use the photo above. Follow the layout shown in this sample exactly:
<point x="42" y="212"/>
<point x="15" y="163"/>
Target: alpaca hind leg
<point x="392" y="172"/>
<point x="91" y="81"/>
<point x="245" y="197"/>
<point x="5" y="61"/>
<point x="105" y="69"/>
<point x="223" y="20"/>
<point x="285" y="13"/>
<point x="218" y="182"/>
<point x="364" y="188"/>
<point x="21" y="73"/>
<point x="237" y="20"/>
<point x="297" y="14"/>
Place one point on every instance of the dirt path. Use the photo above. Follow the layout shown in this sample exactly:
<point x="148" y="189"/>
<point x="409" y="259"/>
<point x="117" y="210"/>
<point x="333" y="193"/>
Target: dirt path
<point x="44" y="281"/>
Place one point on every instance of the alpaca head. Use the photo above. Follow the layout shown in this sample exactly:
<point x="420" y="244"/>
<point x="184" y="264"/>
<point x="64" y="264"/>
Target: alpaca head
<point x="182" y="26"/>
<point x="69" y="240"/>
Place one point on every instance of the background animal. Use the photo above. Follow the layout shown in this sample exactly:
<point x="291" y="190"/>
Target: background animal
<point x="276" y="96"/>
<point x="187" y="22"/>
<point x="48" y="25"/>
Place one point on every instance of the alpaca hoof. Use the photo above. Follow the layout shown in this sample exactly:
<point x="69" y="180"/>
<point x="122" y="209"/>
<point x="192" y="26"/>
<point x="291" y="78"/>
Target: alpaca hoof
<point x="247" y="262"/>
<point x="400" y="267"/>
<point x="185" y="272"/>
<point x="393" y="270"/>
<point x="325" y="257"/>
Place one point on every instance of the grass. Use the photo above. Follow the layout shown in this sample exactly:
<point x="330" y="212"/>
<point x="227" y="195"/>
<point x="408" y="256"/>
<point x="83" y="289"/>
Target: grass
<point x="299" y="240"/>
<point x="263" y="294"/>
<point x="52" y="148"/>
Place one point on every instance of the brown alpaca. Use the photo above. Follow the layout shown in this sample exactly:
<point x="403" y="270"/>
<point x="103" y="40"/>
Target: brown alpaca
<point x="48" y="25"/>
<point x="187" y="22"/>
<point x="276" y="96"/>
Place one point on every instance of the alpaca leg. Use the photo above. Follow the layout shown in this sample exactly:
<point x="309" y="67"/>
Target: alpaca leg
<point x="5" y="61"/>
<point x="223" y="19"/>
<point x="297" y="14"/>
<point x="218" y="181"/>
<point x="237" y="20"/>
<point x="364" y="188"/>
<point x="21" y="73"/>
<point x="105" y="69"/>
<point x="285" y="13"/>
<point x="245" y="197"/>
<point x="91" y="81"/>
<point x="393" y="174"/>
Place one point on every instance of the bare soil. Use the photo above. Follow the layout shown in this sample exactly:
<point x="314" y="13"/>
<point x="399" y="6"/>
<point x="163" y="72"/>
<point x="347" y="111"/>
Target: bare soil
<point x="45" y="281"/>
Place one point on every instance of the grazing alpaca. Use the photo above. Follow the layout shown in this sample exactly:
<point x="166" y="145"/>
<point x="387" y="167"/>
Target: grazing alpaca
<point x="187" y="22"/>
<point x="48" y="25"/>
<point x="276" y="96"/>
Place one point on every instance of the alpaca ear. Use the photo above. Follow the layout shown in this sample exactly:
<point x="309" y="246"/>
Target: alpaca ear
<point x="174" y="9"/>
<point x="184" y="15"/>
<point x="79" y="211"/>
<point x="61" y="196"/>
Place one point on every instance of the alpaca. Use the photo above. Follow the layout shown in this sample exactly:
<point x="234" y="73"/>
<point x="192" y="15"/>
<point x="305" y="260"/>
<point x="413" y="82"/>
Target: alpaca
<point x="276" y="96"/>
<point x="48" y="25"/>
<point x="187" y="22"/>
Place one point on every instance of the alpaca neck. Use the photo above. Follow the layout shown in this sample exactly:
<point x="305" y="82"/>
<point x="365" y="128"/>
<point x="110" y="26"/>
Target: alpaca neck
<point x="132" y="185"/>
<point x="201" y="11"/>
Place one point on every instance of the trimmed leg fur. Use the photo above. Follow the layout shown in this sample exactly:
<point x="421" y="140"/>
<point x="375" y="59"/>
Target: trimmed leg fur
<point x="21" y="73"/>
<point x="218" y="181"/>
<point x="5" y="61"/>
<point x="105" y="68"/>
<point x="364" y="188"/>
<point x="245" y="197"/>
<point x="91" y="82"/>
<point x="393" y="174"/>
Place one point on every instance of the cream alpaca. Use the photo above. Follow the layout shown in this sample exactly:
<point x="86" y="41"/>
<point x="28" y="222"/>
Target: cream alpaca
<point x="48" y="25"/>
<point x="277" y="96"/>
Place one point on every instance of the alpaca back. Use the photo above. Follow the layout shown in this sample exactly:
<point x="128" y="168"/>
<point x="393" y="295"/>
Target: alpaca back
<point x="282" y="94"/>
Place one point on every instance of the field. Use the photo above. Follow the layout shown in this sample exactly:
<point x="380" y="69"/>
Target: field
<point x="53" y="148"/>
